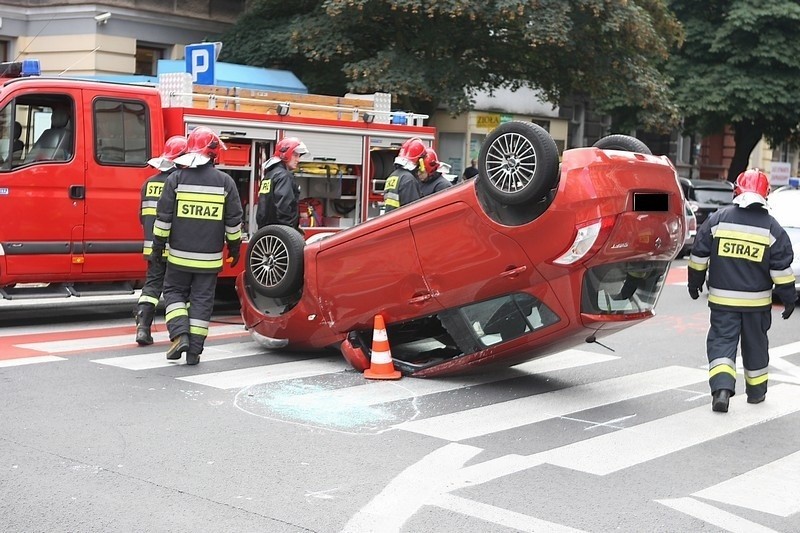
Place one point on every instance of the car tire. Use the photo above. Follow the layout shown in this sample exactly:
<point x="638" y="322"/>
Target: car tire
<point x="274" y="265"/>
<point x="625" y="143"/>
<point x="518" y="163"/>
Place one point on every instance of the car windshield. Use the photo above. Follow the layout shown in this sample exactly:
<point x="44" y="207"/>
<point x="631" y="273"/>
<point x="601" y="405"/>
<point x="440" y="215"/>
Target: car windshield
<point x="713" y="196"/>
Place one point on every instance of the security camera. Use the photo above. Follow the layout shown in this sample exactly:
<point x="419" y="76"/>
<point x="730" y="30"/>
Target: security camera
<point x="102" y="18"/>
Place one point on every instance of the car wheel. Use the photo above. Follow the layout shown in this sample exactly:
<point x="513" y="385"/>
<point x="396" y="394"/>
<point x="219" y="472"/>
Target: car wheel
<point x="518" y="163"/>
<point x="274" y="265"/>
<point x="626" y="143"/>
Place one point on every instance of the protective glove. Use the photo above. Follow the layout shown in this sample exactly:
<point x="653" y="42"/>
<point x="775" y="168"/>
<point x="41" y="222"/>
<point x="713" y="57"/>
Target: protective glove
<point x="233" y="253"/>
<point x="787" y="311"/>
<point x="157" y="254"/>
<point x="694" y="292"/>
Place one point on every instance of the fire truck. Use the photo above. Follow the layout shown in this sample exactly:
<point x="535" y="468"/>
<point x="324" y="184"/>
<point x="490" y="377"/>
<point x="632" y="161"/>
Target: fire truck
<point x="73" y="159"/>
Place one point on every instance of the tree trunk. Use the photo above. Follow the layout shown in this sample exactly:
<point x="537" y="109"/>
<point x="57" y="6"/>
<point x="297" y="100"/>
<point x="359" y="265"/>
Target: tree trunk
<point x="746" y="137"/>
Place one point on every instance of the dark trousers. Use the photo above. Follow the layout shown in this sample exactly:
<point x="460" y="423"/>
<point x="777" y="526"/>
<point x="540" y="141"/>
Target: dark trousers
<point x="727" y="329"/>
<point x="154" y="283"/>
<point x="189" y="300"/>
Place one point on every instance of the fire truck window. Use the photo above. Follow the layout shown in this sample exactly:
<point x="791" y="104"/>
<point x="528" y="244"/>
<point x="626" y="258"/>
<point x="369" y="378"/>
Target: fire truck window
<point x="121" y="132"/>
<point x="51" y="122"/>
<point x="6" y="137"/>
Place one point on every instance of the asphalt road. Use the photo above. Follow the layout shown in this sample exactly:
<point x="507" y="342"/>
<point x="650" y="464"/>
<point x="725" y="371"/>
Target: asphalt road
<point x="97" y="434"/>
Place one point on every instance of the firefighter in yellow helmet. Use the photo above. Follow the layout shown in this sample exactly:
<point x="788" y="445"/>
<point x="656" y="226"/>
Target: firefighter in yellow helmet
<point x="746" y="254"/>
<point x="198" y="212"/>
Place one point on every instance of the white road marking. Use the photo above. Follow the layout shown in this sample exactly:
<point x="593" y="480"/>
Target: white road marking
<point x="498" y="515"/>
<point x="146" y="361"/>
<point x="112" y="341"/>
<point x="372" y="393"/>
<point x="772" y="488"/>
<point x="611" y="452"/>
<point x="244" y="377"/>
<point x="717" y="517"/>
<point x="531" y="409"/>
<point x="30" y="360"/>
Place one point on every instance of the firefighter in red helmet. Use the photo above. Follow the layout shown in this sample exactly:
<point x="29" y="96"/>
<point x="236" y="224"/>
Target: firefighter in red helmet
<point x="198" y="213"/>
<point x="154" y="282"/>
<point x="747" y="256"/>
<point x="279" y="193"/>
<point x="402" y="185"/>
<point x="431" y="178"/>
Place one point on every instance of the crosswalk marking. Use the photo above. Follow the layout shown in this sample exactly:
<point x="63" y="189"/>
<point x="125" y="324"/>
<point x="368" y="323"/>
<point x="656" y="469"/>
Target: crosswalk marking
<point x="717" y="517"/>
<point x="628" y="447"/>
<point x="778" y="488"/>
<point x="244" y="377"/>
<point x="373" y="393"/>
<point x="531" y="409"/>
<point x="149" y="360"/>
<point x="30" y="360"/>
<point x="111" y="341"/>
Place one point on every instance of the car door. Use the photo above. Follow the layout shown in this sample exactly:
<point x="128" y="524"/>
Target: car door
<point x="375" y="271"/>
<point x="466" y="258"/>
<point x="41" y="187"/>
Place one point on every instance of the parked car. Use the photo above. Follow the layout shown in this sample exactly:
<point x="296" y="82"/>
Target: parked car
<point x="691" y="230"/>
<point x="784" y="204"/>
<point x="706" y="196"/>
<point x="532" y="257"/>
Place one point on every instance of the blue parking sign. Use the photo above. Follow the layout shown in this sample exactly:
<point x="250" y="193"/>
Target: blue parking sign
<point x="200" y="60"/>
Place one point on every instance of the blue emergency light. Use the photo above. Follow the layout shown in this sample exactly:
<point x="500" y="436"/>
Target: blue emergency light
<point x="20" y="69"/>
<point x="794" y="182"/>
<point x="399" y="117"/>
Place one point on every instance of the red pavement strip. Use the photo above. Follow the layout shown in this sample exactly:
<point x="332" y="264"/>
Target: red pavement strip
<point x="10" y="350"/>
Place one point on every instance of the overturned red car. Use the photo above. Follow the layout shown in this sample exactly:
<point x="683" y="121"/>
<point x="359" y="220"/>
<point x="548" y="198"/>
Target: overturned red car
<point x="534" y="256"/>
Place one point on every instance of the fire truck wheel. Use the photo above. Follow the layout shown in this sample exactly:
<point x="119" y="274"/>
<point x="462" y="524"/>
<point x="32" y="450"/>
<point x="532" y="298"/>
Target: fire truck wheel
<point x="274" y="265"/>
<point x="625" y="143"/>
<point x="518" y="163"/>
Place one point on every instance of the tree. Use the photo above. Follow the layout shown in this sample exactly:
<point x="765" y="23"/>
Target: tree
<point x="740" y="66"/>
<point x="435" y="52"/>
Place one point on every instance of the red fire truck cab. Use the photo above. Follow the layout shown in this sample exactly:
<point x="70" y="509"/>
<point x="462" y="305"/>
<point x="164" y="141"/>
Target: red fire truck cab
<point x="73" y="156"/>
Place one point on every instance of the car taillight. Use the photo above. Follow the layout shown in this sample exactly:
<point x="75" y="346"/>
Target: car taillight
<point x="588" y="238"/>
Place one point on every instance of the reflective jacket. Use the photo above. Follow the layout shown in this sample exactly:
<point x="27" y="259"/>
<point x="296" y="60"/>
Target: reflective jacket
<point x="745" y="252"/>
<point x="401" y="188"/>
<point x="278" y="197"/>
<point x="151" y="192"/>
<point x="199" y="210"/>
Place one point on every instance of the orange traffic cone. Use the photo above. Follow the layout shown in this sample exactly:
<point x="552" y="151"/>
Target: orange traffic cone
<point x="381" y="365"/>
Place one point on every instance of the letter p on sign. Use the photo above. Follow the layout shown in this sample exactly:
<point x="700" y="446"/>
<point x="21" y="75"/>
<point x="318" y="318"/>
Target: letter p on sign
<point x="200" y="61"/>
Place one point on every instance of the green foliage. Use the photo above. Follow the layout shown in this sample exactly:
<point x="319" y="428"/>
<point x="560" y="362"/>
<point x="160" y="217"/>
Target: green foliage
<point x="739" y="65"/>
<point x="442" y="51"/>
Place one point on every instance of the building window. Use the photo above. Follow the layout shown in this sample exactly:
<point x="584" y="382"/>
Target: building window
<point x="3" y="50"/>
<point x="147" y="60"/>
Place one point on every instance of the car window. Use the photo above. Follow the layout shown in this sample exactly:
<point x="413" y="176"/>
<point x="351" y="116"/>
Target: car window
<point x="507" y="317"/>
<point x="713" y="196"/>
<point x="623" y="288"/>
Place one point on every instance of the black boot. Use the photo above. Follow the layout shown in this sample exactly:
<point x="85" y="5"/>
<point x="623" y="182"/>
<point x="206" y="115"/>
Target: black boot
<point x="192" y="358"/>
<point x="719" y="400"/>
<point x="179" y="345"/>
<point x="144" y="319"/>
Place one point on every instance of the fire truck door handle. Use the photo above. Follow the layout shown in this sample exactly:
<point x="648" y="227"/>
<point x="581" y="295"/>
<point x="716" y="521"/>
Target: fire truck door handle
<point x="77" y="192"/>
<point x="514" y="272"/>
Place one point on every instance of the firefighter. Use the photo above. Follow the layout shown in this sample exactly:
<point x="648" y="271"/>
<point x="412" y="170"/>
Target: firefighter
<point x="745" y="252"/>
<point x="402" y="185"/>
<point x="279" y="192"/>
<point x="154" y="282"/>
<point x="431" y="178"/>
<point x="198" y="212"/>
